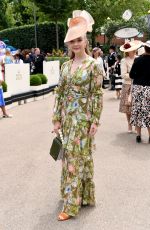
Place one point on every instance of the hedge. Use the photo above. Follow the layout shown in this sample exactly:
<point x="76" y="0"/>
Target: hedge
<point x="35" y="80"/>
<point x="43" y="78"/>
<point x="23" y="37"/>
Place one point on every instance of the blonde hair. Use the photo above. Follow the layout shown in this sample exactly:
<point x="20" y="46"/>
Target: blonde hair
<point x="72" y="54"/>
<point x="126" y="54"/>
<point x="96" y="50"/>
<point x="7" y="52"/>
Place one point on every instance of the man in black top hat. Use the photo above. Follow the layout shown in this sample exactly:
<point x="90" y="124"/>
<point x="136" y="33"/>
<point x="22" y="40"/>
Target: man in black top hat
<point x="111" y="62"/>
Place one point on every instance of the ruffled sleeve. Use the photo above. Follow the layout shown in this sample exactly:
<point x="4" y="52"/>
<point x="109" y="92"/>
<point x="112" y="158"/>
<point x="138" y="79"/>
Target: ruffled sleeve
<point x="59" y="91"/>
<point x="96" y="99"/>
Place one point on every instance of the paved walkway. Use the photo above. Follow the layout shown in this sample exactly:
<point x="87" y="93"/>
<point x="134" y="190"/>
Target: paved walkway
<point x="29" y="178"/>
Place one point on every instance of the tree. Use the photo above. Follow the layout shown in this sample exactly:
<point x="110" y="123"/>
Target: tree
<point x="20" y="12"/>
<point x="3" y="18"/>
<point x="23" y="12"/>
<point x="113" y="9"/>
<point x="111" y="26"/>
<point x="57" y="11"/>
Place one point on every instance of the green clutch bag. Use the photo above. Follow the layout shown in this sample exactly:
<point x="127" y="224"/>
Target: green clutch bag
<point x="56" y="150"/>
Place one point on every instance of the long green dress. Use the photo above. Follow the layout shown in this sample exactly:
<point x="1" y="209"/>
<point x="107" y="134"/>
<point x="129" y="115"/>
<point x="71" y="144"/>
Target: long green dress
<point x="78" y="104"/>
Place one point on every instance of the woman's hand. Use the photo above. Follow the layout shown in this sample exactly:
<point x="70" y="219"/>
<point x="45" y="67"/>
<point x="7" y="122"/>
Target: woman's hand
<point x="57" y="126"/>
<point x="93" y="129"/>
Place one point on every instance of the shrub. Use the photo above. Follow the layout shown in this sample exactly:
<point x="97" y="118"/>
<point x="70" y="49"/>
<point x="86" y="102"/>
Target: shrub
<point x="61" y="59"/>
<point x="35" y="80"/>
<point x="57" y="53"/>
<point x="4" y="86"/>
<point x="23" y="37"/>
<point x="43" y="78"/>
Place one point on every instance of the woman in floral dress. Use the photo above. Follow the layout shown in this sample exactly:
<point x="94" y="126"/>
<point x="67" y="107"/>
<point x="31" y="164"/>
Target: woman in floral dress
<point x="77" y="110"/>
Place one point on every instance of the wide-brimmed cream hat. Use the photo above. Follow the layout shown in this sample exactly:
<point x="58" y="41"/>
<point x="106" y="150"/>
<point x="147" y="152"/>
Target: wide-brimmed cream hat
<point x="79" y="25"/>
<point x="147" y="44"/>
<point x="141" y="51"/>
<point x="131" y="46"/>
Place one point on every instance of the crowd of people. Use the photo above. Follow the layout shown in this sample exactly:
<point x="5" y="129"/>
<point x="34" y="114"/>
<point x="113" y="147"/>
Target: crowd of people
<point x="79" y="102"/>
<point x="115" y="66"/>
<point x="34" y="57"/>
<point x="121" y="75"/>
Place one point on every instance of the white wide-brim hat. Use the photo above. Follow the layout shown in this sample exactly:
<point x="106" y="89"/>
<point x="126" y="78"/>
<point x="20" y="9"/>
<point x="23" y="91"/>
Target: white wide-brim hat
<point x="141" y="51"/>
<point x="147" y="44"/>
<point x="79" y="25"/>
<point x="131" y="46"/>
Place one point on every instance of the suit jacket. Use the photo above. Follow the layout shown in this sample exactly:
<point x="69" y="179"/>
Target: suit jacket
<point x="111" y="59"/>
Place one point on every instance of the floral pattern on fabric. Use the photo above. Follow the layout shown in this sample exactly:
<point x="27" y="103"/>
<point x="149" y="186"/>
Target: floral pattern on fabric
<point x="78" y="104"/>
<point x="140" y="113"/>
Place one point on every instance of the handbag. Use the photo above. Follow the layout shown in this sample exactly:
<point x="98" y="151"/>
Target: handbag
<point x="56" y="149"/>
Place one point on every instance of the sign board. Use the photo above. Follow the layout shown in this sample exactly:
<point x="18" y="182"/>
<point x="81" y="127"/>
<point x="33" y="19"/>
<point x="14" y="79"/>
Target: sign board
<point x="17" y="77"/>
<point x="52" y="71"/>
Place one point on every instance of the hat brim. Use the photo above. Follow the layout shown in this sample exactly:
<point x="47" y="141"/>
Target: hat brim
<point x="146" y="44"/>
<point x="134" y="46"/>
<point x="141" y="51"/>
<point x="75" y="32"/>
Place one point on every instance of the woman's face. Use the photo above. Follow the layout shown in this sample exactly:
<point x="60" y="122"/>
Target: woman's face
<point x="96" y="54"/>
<point x="78" y="45"/>
<point x="132" y="53"/>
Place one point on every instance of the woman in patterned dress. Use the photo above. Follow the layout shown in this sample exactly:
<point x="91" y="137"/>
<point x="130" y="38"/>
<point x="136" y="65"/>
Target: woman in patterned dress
<point x="77" y="110"/>
<point x="140" y="73"/>
<point x="129" y="49"/>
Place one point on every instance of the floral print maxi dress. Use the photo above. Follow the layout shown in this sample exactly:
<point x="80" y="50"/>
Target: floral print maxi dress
<point x="78" y="104"/>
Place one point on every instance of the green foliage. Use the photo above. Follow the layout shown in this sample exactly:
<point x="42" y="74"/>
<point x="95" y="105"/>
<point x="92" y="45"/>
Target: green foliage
<point x="57" y="10"/>
<point x="21" y="12"/>
<point x="111" y="26"/>
<point x="43" y="78"/>
<point x="3" y="18"/>
<point x="57" y="53"/>
<point x="23" y="37"/>
<point x="4" y="85"/>
<point x="35" y="80"/>
<point x="113" y="9"/>
<point x="61" y="59"/>
<point x="105" y="48"/>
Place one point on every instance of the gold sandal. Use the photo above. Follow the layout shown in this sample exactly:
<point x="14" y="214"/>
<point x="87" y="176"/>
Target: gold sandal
<point x="63" y="216"/>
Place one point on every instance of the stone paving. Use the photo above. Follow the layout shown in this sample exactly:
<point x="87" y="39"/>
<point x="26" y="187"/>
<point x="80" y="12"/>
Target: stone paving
<point x="30" y="179"/>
